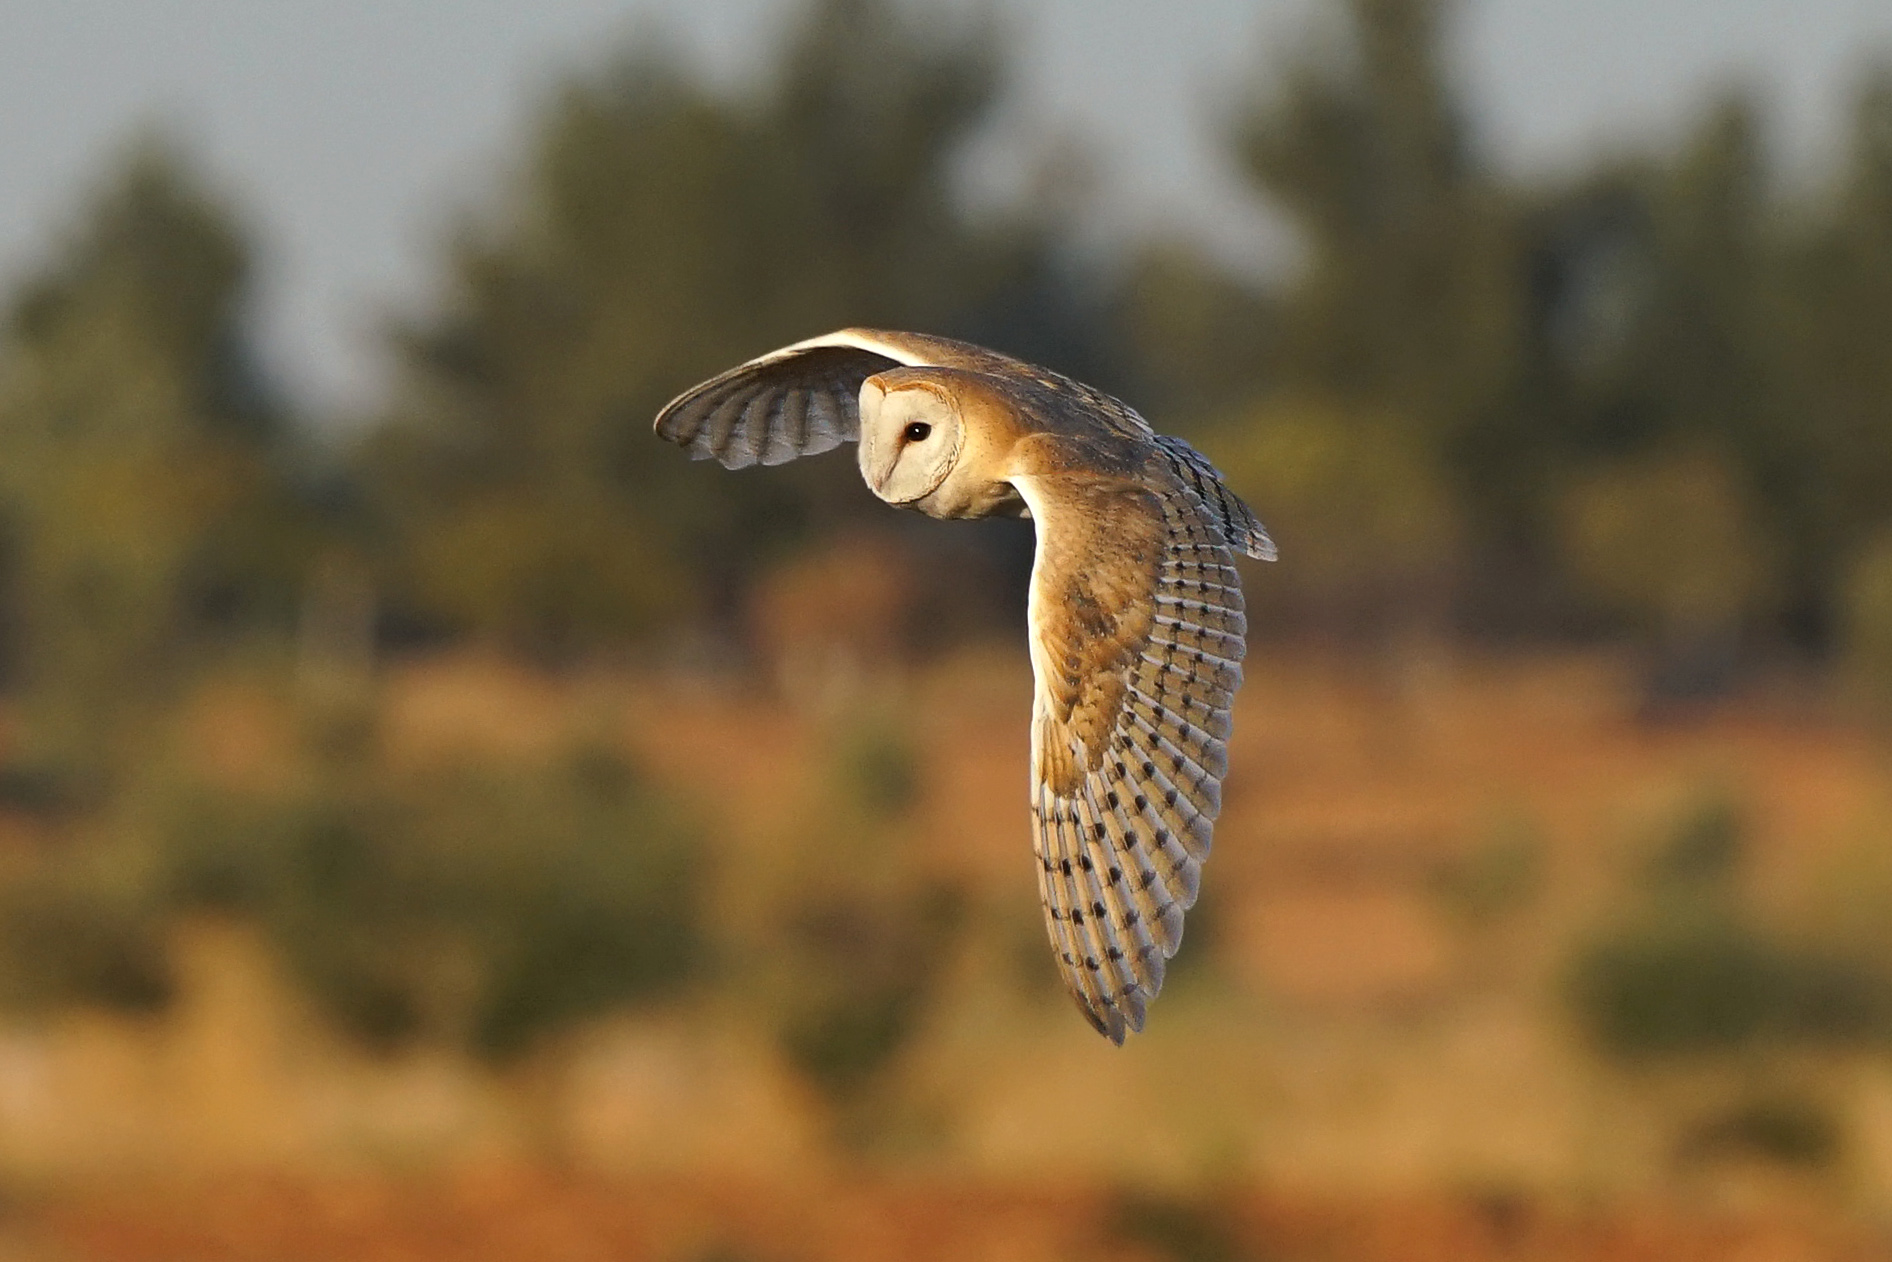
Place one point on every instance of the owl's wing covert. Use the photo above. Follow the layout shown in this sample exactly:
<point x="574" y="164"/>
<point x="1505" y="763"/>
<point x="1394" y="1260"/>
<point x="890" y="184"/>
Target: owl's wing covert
<point x="801" y="400"/>
<point x="1137" y="638"/>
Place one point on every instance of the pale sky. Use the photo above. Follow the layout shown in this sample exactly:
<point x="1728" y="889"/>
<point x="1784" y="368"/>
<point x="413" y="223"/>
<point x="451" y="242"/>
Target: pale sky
<point x="351" y="133"/>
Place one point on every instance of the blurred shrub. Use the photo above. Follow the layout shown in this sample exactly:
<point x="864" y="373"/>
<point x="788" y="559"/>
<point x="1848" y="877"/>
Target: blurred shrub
<point x="1680" y="983"/>
<point x="1367" y="527"/>
<point x="877" y="768"/>
<point x="1691" y="972"/>
<point x="145" y="485"/>
<point x="1790" y="1129"/>
<point x="483" y="906"/>
<point x="855" y="932"/>
<point x="1668" y="543"/>
<point x="1703" y="851"/>
<point x="545" y="573"/>
<point x="83" y="929"/>
<point x="864" y="967"/>
<point x="1866" y="628"/>
<point x="1177" y="1229"/>
<point x="1502" y="874"/>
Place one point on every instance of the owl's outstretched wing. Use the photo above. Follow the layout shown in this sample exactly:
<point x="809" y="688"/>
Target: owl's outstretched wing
<point x="1137" y="638"/>
<point x="802" y="399"/>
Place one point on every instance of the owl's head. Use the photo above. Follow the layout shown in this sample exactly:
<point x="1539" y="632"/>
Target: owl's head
<point x="912" y="432"/>
<point x="937" y="440"/>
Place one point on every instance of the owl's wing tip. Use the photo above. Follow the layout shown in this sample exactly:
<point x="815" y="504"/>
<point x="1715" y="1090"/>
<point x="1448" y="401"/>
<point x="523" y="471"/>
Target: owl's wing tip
<point x="1112" y="1022"/>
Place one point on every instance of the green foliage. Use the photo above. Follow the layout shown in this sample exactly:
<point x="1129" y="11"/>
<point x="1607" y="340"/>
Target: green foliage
<point x="1669" y="543"/>
<point x="1704" y="852"/>
<point x="1555" y="348"/>
<point x="855" y="932"/>
<point x="1180" y="1230"/>
<point x="1404" y="301"/>
<point x="1866" y="628"/>
<point x="141" y="480"/>
<point x="1502" y="874"/>
<point x="536" y="573"/>
<point x="1701" y="982"/>
<point x="866" y="970"/>
<point x="1355" y="502"/>
<point x="488" y="907"/>
<point x="82" y="931"/>
<point x="1690" y="972"/>
<point x="879" y="768"/>
<point x="1790" y="1129"/>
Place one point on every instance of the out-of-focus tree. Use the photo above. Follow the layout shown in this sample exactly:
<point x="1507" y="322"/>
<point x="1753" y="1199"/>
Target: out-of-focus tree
<point x="1865" y="634"/>
<point x="663" y="232"/>
<point x="1409" y="303"/>
<point x="1831" y="325"/>
<point x="142" y="476"/>
<point x="853" y="929"/>
<point x="1683" y="306"/>
<point x="1404" y="299"/>
<point x="1532" y="334"/>
<point x="1668" y="542"/>
<point x="1649" y="331"/>
<point x="1359" y="506"/>
<point x="485" y="907"/>
<point x="1692" y="970"/>
<point x="1197" y="341"/>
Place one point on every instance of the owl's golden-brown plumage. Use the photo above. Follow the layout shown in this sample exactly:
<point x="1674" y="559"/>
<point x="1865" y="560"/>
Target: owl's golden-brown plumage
<point x="1137" y="629"/>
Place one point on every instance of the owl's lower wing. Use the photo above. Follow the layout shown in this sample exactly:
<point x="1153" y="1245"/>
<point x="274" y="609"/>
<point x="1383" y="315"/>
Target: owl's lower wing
<point x="801" y="400"/>
<point x="1137" y="639"/>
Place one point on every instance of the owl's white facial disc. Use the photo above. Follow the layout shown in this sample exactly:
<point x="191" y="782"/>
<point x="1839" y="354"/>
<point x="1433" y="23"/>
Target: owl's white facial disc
<point x="911" y="433"/>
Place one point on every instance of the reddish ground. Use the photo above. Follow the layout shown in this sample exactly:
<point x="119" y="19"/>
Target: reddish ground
<point x="503" y="1218"/>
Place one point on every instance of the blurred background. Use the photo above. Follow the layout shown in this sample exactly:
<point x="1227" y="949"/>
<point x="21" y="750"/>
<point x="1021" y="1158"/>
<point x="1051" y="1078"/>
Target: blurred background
<point x="439" y="821"/>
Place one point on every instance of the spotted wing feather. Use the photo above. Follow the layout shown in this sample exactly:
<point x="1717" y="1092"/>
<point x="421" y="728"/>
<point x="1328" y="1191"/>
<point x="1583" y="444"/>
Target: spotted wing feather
<point x="1137" y="644"/>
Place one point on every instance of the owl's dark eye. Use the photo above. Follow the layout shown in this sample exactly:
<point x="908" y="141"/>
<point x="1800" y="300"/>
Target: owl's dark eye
<point x="918" y="431"/>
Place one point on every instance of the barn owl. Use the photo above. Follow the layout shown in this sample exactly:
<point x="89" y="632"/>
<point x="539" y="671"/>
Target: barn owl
<point x="1135" y="608"/>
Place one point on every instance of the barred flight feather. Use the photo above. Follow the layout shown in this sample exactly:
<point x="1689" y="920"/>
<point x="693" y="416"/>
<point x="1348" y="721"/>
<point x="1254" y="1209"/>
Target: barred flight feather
<point x="1121" y="845"/>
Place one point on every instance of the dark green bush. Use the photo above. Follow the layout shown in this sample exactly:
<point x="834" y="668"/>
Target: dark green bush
<point x="1789" y="1129"/>
<point x="70" y="935"/>
<point x="1691" y="980"/>
<point x="1707" y="846"/>
<point x="1500" y="875"/>
<point x="484" y="906"/>
<point x="863" y="966"/>
<point x="1176" y="1229"/>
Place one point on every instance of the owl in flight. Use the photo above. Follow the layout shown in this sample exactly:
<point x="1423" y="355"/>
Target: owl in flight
<point x="1135" y="609"/>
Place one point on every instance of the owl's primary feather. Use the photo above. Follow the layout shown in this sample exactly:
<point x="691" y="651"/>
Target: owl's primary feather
<point x="1136" y="615"/>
